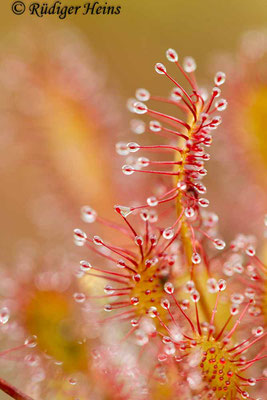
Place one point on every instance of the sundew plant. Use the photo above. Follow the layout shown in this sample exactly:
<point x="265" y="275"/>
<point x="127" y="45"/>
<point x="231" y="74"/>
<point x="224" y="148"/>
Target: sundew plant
<point x="167" y="272"/>
<point x="185" y="310"/>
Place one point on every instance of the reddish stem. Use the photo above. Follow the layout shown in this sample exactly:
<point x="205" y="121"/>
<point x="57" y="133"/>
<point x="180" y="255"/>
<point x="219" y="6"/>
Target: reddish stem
<point x="12" y="391"/>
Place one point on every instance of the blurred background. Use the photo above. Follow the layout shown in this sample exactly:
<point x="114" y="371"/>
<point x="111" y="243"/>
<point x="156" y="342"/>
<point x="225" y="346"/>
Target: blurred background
<point x="64" y="87"/>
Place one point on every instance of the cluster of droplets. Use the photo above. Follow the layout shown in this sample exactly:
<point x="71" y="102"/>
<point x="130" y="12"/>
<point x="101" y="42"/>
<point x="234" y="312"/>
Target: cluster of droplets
<point x="243" y="261"/>
<point x="222" y="362"/>
<point x="192" y="135"/>
<point x="136" y="276"/>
